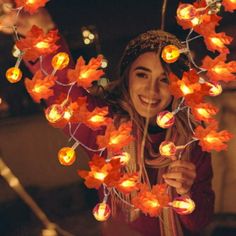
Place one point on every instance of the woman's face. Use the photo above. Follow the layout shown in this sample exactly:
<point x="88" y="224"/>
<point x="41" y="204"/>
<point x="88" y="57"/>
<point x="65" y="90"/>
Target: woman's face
<point x="148" y="85"/>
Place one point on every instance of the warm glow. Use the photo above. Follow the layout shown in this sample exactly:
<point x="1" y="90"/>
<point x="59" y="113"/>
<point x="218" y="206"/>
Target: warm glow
<point x="185" y="89"/>
<point x="42" y="45"/>
<point x="60" y="60"/>
<point x="100" y="175"/>
<point x="170" y="53"/>
<point x="167" y="148"/>
<point x="186" y="12"/>
<point x="101" y="211"/>
<point x="183" y="205"/>
<point x="217" y="42"/>
<point x="115" y="140"/>
<point x="68" y="114"/>
<point x="97" y="118"/>
<point x="13" y="74"/>
<point x="152" y="203"/>
<point x="215" y="89"/>
<point x="220" y="69"/>
<point x="211" y="139"/>
<point x="54" y="113"/>
<point x="124" y="158"/>
<point x="196" y="21"/>
<point x="203" y="112"/>
<point x="165" y="119"/>
<point x="66" y="156"/>
<point x="128" y="183"/>
<point x="30" y="1"/>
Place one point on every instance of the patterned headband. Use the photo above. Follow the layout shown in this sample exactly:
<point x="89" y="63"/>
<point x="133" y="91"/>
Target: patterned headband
<point x="151" y="40"/>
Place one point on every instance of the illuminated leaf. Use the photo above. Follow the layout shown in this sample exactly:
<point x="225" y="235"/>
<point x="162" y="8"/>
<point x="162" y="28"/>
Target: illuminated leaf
<point x="83" y="74"/>
<point x="31" y="6"/>
<point x="37" y="43"/>
<point x="40" y="86"/>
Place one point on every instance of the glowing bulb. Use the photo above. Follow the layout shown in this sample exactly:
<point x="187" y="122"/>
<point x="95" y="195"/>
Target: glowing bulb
<point x="185" y="89"/>
<point x="216" y="89"/>
<point x="100" y="175"/>
<point x="104" y="63"/>
<point x="60" y="60"/>
<point x="101" y="211"/>
<point x="66" y="156"/>
<point x="42" y="45"/>
<point x="165" y="119"/>
<point x="186" y="12"/>
<point x="217" y="42"/>
<point x="87" y="41"/>
<point x="170" y="53"/>
<point x="97" y="118"/>
<point x="203" y="112"/>
<point x="54" y="113"/>
<point x="220" y="69"/>
<point x="13" y="74"/>
<point x="167" y="148"/>
<point x="128" y="183"/>
<point x="86" y="33"/>
<point x="124" y="158"/>
<point x="183" y="205"/>
<point x="152" y="203"/>
<point x="91" y="36"/>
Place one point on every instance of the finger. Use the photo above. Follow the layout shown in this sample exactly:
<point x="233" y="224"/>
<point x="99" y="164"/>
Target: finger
<point x="181" y="163"/>
<point x="181" y="188"/>
<point x="181" y="175"/>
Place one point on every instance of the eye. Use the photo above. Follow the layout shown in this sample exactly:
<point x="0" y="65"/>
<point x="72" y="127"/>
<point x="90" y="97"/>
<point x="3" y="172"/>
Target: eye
<point x="165" y="80"/>
<point x="142" y="75"/>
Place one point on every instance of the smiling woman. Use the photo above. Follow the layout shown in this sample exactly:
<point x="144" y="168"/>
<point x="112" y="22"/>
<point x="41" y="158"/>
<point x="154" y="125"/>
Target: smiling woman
<point x="148" y="86"/>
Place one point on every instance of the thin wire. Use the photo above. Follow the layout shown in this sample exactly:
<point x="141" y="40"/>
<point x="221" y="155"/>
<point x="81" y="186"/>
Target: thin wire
<point x="163" y="14"/>
<point x="124" y="201"/>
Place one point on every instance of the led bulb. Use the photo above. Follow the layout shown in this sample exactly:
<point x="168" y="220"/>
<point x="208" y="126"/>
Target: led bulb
<point x="165" y="119"/>
<point x="170" y="53"/>
<point x="186" y="12"/>
<point x="183" y="205"/>
<point x="54" y="113"/>
<point x="167" y="149"/>
<point x="66" y="156"/>
<point x="101" y="211"/>
<point x="13" y="74"/>
<point x="60" y="61"/>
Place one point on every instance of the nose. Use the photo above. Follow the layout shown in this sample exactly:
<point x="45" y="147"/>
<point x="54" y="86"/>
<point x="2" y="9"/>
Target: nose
<point x="153" y="86"/>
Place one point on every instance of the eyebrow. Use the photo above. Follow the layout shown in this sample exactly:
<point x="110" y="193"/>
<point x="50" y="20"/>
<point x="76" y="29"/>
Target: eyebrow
<point x="146" y="69"/>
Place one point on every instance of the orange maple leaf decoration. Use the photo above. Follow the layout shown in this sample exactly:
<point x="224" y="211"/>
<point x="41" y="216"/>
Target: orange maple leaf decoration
<point x="229" y="5"/>
<point x="188" y="87"/>
<point x="218" y="70"/>
<point x="83" y="74"/>
<point x="217" y="41"/>
<point x="128" y="183"/>
<point x="115" y="139"/>
<point x="204" y="111"/>
<point x="37" y="43"/>
<point x="151" y="202"/>
<point x="97" y="118"/>
<point x="209" y="139"/>
<point x="31" y="6"/>
<point x="101" y="172"/>
<point x="40" y="86"/>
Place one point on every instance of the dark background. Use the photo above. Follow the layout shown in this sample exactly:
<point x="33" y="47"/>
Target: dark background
<point x="116" y="22"/>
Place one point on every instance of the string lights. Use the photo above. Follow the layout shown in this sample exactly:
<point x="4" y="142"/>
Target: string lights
<point x="201" y="18"/>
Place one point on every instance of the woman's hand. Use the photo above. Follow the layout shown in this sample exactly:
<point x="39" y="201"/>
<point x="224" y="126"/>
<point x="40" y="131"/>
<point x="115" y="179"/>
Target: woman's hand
<point x="24" y="21"/>
<point x="181" y="176"/>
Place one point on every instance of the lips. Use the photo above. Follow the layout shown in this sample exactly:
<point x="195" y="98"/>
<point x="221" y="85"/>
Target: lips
<point x="146" y="101"/>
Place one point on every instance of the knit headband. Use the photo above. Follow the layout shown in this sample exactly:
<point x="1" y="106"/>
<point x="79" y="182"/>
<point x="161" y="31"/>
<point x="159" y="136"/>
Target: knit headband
<point x="151" y="40"/>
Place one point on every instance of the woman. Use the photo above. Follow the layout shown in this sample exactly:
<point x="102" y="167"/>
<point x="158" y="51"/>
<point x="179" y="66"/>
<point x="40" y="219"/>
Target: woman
<point x="138" y="95"/>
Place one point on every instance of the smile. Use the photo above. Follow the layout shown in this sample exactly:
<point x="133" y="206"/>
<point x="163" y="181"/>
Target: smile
<point x="147" y="101"/>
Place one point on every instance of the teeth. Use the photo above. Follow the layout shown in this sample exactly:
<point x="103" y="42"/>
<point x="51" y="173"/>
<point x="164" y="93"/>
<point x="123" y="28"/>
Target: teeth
<point x="146" y="100"/>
